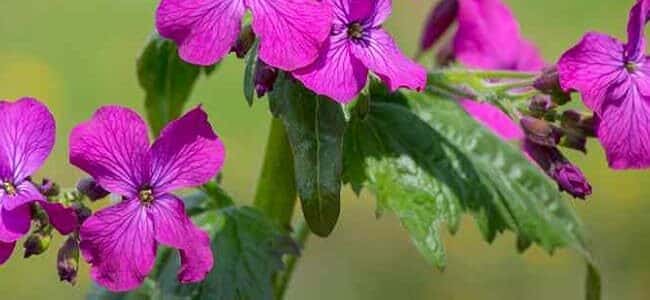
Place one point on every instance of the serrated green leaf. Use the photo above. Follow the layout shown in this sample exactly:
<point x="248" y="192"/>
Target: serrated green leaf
<point x="429" y="162"/>
<point x="315" y="127"/>
<point x="166" y="79"/>
<point x="249" y="74"/>
<point x="248" y="249"/>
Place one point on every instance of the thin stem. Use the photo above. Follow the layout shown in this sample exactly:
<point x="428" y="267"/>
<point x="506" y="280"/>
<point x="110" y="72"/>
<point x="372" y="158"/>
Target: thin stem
<point x="500" y="74"/>
<point x="282" y="281"/>
<point x="507" y="86"/>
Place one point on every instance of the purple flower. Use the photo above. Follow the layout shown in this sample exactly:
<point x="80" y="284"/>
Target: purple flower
<point x="27" y="132"/>
<point x="291" y="32"/>
<point x="357" y="44"/>
<point x="488" y="37"/>
<point x="120" y="241"/>
<point x="614" y="81"/>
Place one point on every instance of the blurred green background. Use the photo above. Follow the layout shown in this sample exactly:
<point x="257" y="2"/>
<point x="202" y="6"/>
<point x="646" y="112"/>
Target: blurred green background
<point x="77" y="55"/>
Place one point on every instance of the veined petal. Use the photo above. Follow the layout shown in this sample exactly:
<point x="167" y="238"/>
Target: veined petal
<point x="5" y="251"/>
<point x="382" y="56"/>
<point x="118" y="242"/>
<point x="26" y="193"/>
<point x="63" y="219"/>
<point x="634" y="50"/>
<point x="494" y="119"/>
<point x="113" y="148"/>
<point x="27" y="132"/>
<point x="175" y="229"/>
<point x="188" y="153"/>
<point x="291" y="32"/>
<point x="204" y="30"/>
<point x="623" y="128"/>
<point x="595" y="67"/>
<point x="14" y="224"/>
<point x="336" y="74"/>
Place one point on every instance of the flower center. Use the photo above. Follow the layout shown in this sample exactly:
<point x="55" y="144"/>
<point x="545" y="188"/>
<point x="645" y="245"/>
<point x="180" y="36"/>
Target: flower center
<point x="630" y="67"/>
<point x="146" y="196"/>
<point x="9" y="188"/>
<point x="355" y="30"/>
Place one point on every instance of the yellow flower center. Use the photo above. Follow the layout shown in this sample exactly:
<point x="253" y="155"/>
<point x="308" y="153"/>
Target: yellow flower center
<point x="146" y="196"/>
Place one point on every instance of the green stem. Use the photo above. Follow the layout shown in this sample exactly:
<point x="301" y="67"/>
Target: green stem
<point x="276" y="187"/>
<point x="283" y="279"/>
<point x="507" y="86"/>
<point x="500" y="74"/>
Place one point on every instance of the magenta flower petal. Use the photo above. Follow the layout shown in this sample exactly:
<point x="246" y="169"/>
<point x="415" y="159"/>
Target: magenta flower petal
<point x="27" y="133"/>
<point x="175" y="229"/>
<point x="204" y="30"/>
<point x="14" y="223"/>
<point x="5" y="251"/>
<point x="591" y="67"/>
<point x="187" y="153"/>
<point x="118" y="242"/>
<point x="63" y="219"/>
<point x="291" y="32"/>
<point x="113" y="148"/>
<point x="26" y="193"/>
<point x="494" y="119"/>
<point x="382" y="56"/>
<point x="634" y="50"/>
<point x="336" y="74"/>
<point x="488" y="37"/>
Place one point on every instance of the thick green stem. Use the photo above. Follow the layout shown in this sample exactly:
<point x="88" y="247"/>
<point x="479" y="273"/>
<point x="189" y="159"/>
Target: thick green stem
<point x="282" y="279"/>
<point x="276" y="187"/>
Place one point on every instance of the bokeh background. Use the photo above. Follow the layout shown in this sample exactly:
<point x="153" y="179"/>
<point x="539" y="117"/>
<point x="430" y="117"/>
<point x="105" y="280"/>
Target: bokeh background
<point x="76" y="55"/>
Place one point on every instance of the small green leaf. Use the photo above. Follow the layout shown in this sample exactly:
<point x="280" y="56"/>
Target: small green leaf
<point x="248" y="249"/>
<point x="315" y="126"/>
<point x="167" y="81"/>
<point x="145" y="292"/>
<point x="249" y="74"/>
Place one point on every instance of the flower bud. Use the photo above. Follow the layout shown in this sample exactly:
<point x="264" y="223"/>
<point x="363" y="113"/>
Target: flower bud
<point x="440" y="19"/>
<point x="540" y="132"/>
<point x="540" y="105"/>
<point x="82" y="212"/>
<point x="38" y="242"/>
<point x="91" y="189"/>
<point x="549" y="83"/>
<point x="572" y="120"/>
<point x="568" y="176"/>
<point x="265" y="77"/>
<point x="67" y="261"/>
<point x="570" y="179"/>
<point x="244" y="42"/>
<point x="49" y="188"/>
<point x="445" y="55"/>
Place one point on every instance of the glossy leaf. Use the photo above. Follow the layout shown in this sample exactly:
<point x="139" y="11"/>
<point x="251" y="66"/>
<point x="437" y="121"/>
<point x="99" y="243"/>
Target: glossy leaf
<point x="167" y="81"/>
<point x="428" y="162"/>
<point x="315" y="127"/>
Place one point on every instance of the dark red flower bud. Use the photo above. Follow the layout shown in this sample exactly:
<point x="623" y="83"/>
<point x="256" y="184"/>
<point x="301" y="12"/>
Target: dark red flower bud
<point x="540" y="132"/>
<point x="540" y="105"/>
<point x="67" y="262"/>
<point x="265" y="77"/>
<point x="38" y="242"/>
<point x="49" y="188"/>
<point x="91" y="189"/>
<point x="440" y="19"/>
<point x="584" y="124"/>
<point x="445" y="55"/>
<point x="244" y="42"/>
<point x="568" y="176"/>
<point x="549" y="83"/>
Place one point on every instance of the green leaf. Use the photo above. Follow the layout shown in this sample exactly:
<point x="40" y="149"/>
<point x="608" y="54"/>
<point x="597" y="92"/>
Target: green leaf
<point x="167" y="81"/>
<point x="145" y="292"/>
<point x="315" y="126"/>
<point x="427" y="161"/>
<point x="249" y="74"/>
<point x="247" y="247"/>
